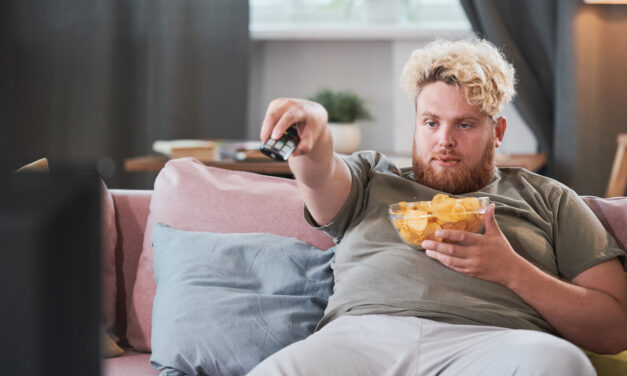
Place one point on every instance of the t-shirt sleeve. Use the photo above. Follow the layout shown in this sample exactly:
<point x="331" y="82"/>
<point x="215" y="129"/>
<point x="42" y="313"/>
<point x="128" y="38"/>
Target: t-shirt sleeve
<point x="361" y="166"/>
<point x="580" y="239"/>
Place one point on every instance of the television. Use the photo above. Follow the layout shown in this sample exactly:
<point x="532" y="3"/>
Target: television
<point x="50" y="273"/>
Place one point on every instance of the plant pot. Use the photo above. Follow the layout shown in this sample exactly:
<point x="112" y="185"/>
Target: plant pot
<point x="346" y="137"/>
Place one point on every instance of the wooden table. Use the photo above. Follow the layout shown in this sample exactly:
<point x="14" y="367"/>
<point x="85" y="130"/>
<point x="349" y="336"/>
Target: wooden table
<point x="154" y="163"/>
<point x="532" y="162"/>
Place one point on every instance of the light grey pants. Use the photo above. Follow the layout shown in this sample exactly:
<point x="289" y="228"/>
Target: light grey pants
<point x="392" y="345"/>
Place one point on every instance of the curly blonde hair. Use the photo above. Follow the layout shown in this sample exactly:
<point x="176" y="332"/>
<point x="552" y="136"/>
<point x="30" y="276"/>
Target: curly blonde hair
<point x="474" y="64"/>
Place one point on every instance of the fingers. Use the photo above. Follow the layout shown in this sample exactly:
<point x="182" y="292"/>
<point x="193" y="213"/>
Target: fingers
<point x="292" y="116"/>
<point x="448" y="260"/>
<point x="489" y="221"/>
<point x="452" y="256"/>
<point x="309" y="117"/>
<point x="456" y="236"/>
<point x="280" y="115"/>
<point x="268" y="123"/>
<point x="306" y="141"/>
<point x="443" y="248"/>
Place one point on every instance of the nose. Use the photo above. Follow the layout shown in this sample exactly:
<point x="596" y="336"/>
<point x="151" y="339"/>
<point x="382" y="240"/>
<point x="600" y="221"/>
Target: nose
<point x="446" y="137"/>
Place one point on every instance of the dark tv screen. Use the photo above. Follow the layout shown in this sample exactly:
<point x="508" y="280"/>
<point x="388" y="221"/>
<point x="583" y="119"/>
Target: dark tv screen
<point x="49" y="273"/>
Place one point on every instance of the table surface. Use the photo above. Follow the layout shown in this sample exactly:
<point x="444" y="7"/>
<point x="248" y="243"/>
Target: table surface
<point x="154" y="163"/>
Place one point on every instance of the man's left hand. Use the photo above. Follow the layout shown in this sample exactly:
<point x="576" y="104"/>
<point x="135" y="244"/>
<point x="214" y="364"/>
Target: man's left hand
<point x="486" y="256"/>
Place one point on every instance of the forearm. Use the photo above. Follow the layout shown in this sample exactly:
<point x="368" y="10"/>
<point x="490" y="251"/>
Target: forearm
<point x="323" y="180"/>
<point x="587" y="317"/>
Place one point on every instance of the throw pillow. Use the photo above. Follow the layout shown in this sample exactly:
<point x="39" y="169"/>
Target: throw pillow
<point x="611" y="213"/>
<point x="191" y="196"/>
<point x="225" y="302"/>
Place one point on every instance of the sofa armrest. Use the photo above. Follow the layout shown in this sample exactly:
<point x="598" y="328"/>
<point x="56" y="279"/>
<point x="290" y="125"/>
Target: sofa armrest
<point x="131" y="208"/>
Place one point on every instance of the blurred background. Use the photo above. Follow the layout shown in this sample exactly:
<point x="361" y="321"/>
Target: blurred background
<point x="99" y="82"/>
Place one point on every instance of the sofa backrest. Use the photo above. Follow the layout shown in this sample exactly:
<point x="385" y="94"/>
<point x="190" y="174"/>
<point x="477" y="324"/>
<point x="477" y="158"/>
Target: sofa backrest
<point x="131" y="213"/>
<point x="612" y="212"/>
<point x="132" y="209"/>
<point x="191" y="196"/>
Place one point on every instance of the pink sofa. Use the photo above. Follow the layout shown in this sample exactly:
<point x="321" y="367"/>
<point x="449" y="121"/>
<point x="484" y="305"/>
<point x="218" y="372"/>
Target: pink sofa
<point x="132" y="208"/>
<point x="187" y="196"/>
<point x="184" y="186"/>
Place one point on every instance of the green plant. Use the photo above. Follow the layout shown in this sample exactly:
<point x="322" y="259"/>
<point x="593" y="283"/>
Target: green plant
<point x="343" y="106"/>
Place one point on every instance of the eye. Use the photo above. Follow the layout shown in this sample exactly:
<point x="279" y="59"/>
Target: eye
<point x="431" y="124"/>
<point x="465" y="126"/>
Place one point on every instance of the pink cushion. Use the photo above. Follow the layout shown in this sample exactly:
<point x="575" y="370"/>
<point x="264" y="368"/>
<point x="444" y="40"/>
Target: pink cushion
<point x="612" y="212"/>
<point x="191" y="196"/>
<point x="108" y="241"/>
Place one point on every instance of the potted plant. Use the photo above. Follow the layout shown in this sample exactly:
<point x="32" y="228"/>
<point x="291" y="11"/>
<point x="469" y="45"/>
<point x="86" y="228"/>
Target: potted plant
<point x="344" y="107"/>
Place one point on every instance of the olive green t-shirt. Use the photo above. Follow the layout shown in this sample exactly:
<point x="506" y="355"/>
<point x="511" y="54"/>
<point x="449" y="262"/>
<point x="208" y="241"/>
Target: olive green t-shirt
<point x="376" y="273"/>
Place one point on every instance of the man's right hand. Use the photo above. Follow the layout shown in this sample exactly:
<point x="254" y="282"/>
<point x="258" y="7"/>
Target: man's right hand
<point x="310" y="116"/>
<point x="321" y="176"/>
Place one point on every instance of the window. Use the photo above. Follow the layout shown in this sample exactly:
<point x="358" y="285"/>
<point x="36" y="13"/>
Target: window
<point x="357" y="12"/>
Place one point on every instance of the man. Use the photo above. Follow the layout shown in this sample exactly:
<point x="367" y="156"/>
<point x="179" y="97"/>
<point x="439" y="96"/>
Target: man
<point x="490" y="303"/>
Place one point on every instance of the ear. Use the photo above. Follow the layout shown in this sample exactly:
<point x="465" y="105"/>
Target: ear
<point x="499" y="130"/>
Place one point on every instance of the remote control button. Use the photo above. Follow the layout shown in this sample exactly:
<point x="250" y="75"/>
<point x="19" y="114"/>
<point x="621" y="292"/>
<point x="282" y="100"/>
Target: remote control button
<point x="279" y="144"/>
<point x="290" y="144"/>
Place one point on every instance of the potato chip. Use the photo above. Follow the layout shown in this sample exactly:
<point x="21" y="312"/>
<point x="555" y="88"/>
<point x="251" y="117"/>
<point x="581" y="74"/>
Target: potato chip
<point x="470" y="203"/>
<point x="418" y="221"/>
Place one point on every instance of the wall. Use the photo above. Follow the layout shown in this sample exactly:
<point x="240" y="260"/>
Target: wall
<point x="600" y="49"/>
<point x="285" y="65"/>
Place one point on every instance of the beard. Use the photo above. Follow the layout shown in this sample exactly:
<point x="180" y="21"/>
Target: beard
<point x="456" y="180"/>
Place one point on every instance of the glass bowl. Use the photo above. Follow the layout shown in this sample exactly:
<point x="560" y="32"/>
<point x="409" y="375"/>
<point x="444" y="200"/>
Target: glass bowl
<point x="418" y="221"/>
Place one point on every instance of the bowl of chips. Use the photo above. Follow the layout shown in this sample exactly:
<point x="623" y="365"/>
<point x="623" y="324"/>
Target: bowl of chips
<point x="418" y="221"/>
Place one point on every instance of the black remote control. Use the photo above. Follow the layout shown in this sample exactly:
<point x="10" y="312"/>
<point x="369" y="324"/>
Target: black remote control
<point x="282" y="148"/>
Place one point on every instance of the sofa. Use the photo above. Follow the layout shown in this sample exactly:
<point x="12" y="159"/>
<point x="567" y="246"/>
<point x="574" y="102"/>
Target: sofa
<point x="195" y="204"/>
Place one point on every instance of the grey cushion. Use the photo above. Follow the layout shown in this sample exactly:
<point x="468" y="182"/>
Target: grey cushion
<point x="225" y="302"/>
